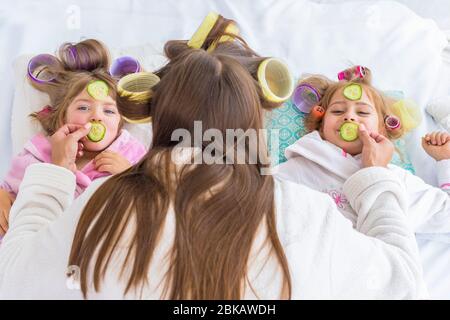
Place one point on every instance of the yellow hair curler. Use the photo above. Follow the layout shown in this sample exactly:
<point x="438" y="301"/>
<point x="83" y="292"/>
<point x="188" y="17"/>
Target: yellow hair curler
<point x="199" y="37"/>
<point x="408" y="113"/>
<point x="275" y="80"/>
<point x="140" y="121"/>
<point x="136" y="88"/>
<point x="231" y="30"/>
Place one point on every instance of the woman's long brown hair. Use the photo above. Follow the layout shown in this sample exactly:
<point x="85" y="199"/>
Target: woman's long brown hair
<point x="218" y="208"/>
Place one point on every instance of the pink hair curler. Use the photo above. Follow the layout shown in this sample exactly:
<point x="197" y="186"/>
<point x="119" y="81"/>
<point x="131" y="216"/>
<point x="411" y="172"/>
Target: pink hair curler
<point x="392" y="122"/>
<point x="352" y="73"/>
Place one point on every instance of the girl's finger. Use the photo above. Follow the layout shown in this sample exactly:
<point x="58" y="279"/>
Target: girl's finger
<point x="437" y="137"/>
<point x="68" y="128"/>
<point x="443" y="138"/>
<point x="447" y="138"/>
<point x="377" y="137"/>
<point x="433" y="138"/>
<point x="3" y="223"/>
<point x="106" y="155"/>
<point x="81" y="132"/>
<point x="105" y="168"/>
<point x="364" y="135"/>
<point x="103" y="161"/>
<point x="424" y="142"/>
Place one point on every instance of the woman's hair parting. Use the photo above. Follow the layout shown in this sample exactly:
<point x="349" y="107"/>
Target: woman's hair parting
<point x="65" y="75"/>
<point x="218" y="207"/>
<point x="402" y="112"/>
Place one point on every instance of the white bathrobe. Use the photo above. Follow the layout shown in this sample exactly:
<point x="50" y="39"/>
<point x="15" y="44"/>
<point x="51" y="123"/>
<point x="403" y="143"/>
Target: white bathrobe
<point x="325" y="167"/>
<point x="327" y="258"/>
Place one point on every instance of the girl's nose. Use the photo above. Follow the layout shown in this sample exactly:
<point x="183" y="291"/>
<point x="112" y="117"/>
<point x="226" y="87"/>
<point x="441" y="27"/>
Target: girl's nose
<point x="96" y="115"/>
<point x="350" y="116"/>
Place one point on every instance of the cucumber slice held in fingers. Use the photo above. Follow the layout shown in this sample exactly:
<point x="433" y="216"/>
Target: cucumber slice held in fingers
<point x="97" y="132"/>
<point x="349" y="131"/>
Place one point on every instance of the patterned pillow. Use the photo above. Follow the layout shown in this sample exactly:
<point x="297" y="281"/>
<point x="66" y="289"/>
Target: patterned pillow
<point x="290" y="123"/>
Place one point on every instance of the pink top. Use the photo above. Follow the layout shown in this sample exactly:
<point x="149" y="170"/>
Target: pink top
<point x="38" y="149"/>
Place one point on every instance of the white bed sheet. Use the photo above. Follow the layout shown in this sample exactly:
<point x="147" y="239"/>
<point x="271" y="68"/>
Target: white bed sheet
<point x="402" y="49"/>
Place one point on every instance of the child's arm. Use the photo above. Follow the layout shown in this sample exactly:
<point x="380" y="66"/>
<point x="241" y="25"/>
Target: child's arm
<point x="429" y="206"/>
<point x="437" y="145"/>
<point x="387" y="257"/>
<point x="10" y="185"/>
<point x="6" y="201"/>
<point x="16" y="172"/>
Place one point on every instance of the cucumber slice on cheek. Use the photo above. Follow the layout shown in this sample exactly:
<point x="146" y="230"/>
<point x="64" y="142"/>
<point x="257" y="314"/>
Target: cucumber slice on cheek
<point x="97" y="132"/>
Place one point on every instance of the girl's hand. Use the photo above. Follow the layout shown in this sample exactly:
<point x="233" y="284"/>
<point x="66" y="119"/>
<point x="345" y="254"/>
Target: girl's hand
<point x="111" y="162"/>
<point x="437" y="145"/>
<point x="6" y="201"/>
<point x="65" y="144"/>
<point x="377" y="149"/>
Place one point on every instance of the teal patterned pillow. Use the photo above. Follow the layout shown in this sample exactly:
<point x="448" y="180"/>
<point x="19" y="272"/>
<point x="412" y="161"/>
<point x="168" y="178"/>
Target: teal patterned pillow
<point x="290" y="123"/>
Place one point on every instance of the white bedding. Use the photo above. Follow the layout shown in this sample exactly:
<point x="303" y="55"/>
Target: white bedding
<point x="402" y="49"/>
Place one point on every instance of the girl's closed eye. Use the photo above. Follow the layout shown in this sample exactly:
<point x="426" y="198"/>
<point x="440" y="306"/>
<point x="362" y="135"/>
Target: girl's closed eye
<point x="110" y="111"/>
<point x="83" y="107"/>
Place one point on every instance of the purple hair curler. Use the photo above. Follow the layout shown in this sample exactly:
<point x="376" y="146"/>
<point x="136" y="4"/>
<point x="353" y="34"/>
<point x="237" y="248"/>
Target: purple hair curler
<point x="123" y="66"/>
<point x="73" y="54"/>
<point x="305" y="97"/>
<point x="38" y="68"/>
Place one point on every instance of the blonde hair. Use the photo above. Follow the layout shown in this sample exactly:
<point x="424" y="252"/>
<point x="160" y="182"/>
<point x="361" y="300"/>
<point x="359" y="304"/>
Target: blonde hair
<point x="327" y="88"/>
<point x="76" y="66"/>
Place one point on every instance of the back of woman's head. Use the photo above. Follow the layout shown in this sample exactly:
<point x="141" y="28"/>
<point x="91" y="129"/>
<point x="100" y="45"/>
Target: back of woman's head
<point x="218" y="207"/>
<point x="212" y="88"/>
<point x="74" y="67"/>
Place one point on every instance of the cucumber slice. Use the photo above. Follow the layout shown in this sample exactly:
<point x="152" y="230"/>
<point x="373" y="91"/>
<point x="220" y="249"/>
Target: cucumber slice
<point x="353" y="91"/>
<point x="97" y="132"/>
<point x="98" y="89"/>
<point x="349" y="131"/>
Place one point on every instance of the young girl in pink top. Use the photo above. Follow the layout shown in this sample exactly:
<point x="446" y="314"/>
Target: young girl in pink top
<point x="82" y="93"/>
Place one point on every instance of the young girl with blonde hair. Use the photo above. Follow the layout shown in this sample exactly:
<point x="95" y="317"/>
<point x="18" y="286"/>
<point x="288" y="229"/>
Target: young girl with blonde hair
<point x="351" y="111"/>
<point x="82" y="93"/>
